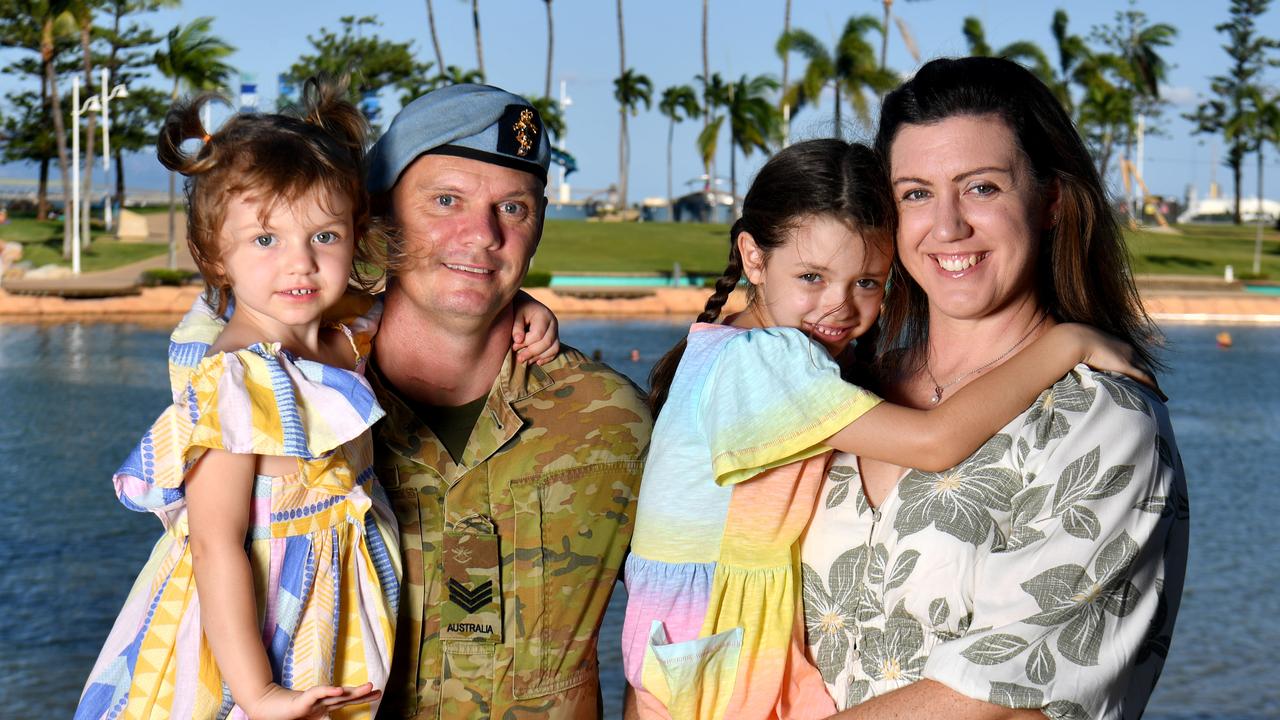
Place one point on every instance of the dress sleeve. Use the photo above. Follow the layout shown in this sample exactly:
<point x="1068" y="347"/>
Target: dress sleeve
<point x="772" y="398"/>
<point x="1073" y="609"/>
<point x="254" y="402"/>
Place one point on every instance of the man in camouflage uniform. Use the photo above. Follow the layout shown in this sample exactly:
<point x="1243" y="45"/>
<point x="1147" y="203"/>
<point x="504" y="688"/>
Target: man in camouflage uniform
<point x="514" y="484"/>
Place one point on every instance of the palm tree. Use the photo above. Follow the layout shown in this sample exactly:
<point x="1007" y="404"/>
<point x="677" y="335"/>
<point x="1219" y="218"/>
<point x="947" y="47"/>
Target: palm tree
<point x="551" y="43"/>
<point x="475" y="22"/>
<point x="37" y="26"/>
<point x="1264" y="119"/>
<point x="192" y="58"/>
<point x="708" y="162"/>
<point x="1023" y="52"/>
<point x="549" y="110"/>
<point x="786" y="66"/>
<point x="678" y="103"/>
<point x="754" y="123"/>
<point x="435" y="39"/>
<point x="851" y="69"/>
<point x="48" y="14"/>
<point x="1072" y="53"/>
<point x="629" y="89"/>
<point x="715" y="94"/>
<point x="82" y="12"/>
<point x="884" y="35"/>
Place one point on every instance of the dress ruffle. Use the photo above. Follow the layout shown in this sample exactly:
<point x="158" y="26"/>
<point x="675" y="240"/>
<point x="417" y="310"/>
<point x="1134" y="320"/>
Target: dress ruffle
<point x="261" y="400"/>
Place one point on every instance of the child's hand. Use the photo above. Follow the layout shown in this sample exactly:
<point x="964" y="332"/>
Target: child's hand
<point x="1101" y="351"/>
<point x="278" y="703"/>
<point x="535" y="335"/>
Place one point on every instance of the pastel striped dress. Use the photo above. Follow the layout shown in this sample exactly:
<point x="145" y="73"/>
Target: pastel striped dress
<point x="714" y="625"/>
<point x="322" y="542"/>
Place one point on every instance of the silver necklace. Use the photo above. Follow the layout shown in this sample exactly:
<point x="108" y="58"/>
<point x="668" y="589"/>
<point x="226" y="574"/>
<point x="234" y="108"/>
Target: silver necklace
<point x="938" y="388"/>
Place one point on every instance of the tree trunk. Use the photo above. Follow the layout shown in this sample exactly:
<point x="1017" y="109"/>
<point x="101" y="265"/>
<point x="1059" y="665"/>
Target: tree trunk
<point x="60" y="134"/>
<point x="1257" y="239"/>
<point x="42" y="192"/>
<point x="475" y="21"/>
<point x="86" y="192"/>
<point x="839" y="132"/>
<point x="710" y="167"/>
<point x="551" y="44"/>
<point x="671" y="200"/>
<point x="435" y="39"/>
<point x="786" y="56"/>
<point x="884" y="35"/>
<point x="119" y="161"/>
<point x="1237" y="162"/>
<point x="733" y="173"/>
<point x="173" y="237"/>
<point x="623" y="141"/>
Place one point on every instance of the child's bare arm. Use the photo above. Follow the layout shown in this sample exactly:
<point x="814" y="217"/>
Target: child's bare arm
<point x="219" y="491"/>
<point x="535" y="334"/>
<point x="937" y="439"/>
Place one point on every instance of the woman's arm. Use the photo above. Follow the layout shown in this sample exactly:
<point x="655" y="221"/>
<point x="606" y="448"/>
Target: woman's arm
<point x="219" y="492"/>
<point x="929" y="699"/>
<point x="937" y="439"/>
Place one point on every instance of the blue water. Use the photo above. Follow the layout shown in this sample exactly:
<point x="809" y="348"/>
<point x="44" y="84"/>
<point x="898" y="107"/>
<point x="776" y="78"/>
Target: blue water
<point x="74" y="397"/>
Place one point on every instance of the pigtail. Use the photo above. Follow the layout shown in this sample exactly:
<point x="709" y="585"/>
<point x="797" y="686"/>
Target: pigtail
<point x="326" y="106"/>
<point x="183" y="123"/>
<point x="664" y="372"/>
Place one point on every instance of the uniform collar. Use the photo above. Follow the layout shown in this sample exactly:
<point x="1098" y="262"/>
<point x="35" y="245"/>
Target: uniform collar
<point x="405" y="434"/>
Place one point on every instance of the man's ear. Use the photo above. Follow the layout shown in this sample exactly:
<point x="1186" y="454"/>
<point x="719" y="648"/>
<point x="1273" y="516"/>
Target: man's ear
<point x="752" y="257"/>
<point x="542" y="222"/>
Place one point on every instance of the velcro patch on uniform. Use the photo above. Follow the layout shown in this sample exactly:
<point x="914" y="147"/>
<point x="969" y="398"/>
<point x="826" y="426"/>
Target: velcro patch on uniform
<point x="473" y="609"/>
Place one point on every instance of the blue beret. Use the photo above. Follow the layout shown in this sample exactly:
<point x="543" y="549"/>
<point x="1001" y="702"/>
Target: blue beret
<point x="480" y="122"/>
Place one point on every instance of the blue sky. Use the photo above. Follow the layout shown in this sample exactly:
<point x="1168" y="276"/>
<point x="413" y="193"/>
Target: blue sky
<point x="663" y="41"/>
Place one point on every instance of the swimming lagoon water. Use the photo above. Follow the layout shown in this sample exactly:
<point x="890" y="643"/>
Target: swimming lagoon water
<point x="75" y="396"/>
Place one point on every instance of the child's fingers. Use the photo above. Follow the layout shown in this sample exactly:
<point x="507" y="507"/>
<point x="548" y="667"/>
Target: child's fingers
<point x="354" y="698"/>
<point x="549" y="354"/>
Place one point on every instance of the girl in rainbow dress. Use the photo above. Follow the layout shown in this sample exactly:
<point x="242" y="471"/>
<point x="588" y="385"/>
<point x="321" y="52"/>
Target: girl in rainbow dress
<point x="273" y="592"/>
<point x="750" y="411"/>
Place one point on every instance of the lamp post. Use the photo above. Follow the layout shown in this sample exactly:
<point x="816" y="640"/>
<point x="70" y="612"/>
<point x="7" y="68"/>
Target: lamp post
<point x="119" y="91"/>
<point x="94" y="103"/>
<point x="90" y="105"/>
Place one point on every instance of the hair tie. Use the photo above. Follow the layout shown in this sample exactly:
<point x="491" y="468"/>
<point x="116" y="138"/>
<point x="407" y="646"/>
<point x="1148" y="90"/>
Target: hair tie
<point x="207" y="137"/>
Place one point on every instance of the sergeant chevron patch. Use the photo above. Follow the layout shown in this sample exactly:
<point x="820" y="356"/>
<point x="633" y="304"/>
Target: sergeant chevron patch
<point x="470" y="600"/>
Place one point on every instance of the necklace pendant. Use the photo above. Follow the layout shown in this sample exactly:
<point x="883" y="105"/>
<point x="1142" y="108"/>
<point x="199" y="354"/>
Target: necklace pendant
<point x="937" y="395"/>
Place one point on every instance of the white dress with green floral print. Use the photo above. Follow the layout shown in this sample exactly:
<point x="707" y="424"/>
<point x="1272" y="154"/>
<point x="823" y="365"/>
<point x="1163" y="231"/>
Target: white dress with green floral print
<point x="1043" y="572"/>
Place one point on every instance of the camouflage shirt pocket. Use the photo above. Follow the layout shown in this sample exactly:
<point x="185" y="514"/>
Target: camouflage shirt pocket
<point x="571" y="532"/>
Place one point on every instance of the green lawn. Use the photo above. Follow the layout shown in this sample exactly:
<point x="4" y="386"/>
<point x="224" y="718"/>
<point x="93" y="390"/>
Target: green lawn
<point x="569" y="246"/>
<point x="1204" y="250"/>
<point x="572" y="245"/>
<point x="42" y="245"/>
<point x="652" y="247"/>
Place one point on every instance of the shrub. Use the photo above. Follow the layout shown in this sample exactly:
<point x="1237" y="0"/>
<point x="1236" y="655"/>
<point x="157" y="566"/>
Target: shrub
<point x="537" y="279"/>
<point x="164" y="276"/>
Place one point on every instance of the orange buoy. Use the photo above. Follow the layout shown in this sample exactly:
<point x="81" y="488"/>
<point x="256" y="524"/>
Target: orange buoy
<point x="1224" y="339"/>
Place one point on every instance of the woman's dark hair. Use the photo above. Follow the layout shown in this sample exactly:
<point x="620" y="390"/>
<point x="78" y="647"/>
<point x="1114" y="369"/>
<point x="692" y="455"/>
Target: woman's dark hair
<point x="278" y="156"/>
<point x="1082" y="271"/>
<point x="811" y="179"/>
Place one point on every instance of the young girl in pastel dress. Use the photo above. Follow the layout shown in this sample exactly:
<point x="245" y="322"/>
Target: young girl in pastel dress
<point x="750" y="410"/>
<point x="273" y="593"/>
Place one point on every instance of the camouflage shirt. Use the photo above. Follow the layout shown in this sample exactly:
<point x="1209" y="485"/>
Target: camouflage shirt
<point x="511" y="555"/>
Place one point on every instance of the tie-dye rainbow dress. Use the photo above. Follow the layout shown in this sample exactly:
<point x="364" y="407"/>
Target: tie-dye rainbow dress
<point x="322" y="542"/>
<point x="714" y="627"/>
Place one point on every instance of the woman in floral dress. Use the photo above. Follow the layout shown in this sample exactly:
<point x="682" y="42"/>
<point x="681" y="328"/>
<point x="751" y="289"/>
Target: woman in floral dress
<point x="1042" y="576"/>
